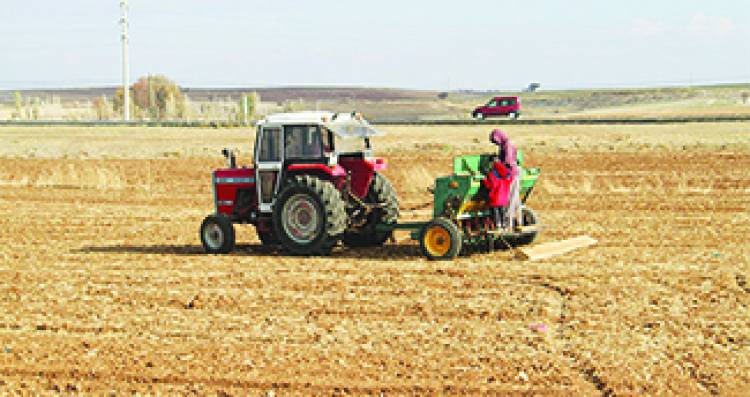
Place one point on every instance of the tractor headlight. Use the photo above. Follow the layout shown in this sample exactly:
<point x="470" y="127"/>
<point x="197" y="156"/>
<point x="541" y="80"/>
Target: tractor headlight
<point x="333" y="159"/>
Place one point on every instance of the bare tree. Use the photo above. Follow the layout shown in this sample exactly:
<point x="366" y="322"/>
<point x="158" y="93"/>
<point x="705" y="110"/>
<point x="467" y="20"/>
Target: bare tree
<point x="159" y="96"/>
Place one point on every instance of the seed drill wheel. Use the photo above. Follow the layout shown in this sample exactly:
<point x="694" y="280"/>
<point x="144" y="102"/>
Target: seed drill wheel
<point x="309" y="216"/>
<point x="529" y="218"/>
<point x="440" y="239"/>
<point x="217" y="234"/>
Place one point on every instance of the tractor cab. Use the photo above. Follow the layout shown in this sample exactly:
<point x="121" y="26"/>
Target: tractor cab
<point x="325" y="156"/>
<point x="329" y="145"/>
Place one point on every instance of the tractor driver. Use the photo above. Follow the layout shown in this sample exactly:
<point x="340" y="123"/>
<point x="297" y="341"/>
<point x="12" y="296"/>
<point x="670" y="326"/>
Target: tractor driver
<point x="503" y="184"/>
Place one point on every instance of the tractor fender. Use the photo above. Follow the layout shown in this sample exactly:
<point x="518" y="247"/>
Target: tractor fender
<point x="333" y="171"/>
<point x="379" y="165"/>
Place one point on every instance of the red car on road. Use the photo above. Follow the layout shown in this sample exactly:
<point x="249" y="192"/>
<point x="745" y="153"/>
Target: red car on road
<point x="499" y="106"/>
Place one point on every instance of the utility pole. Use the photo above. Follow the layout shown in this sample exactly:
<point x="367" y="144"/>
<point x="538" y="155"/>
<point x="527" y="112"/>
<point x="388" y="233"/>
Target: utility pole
<point x="125" y="60"/>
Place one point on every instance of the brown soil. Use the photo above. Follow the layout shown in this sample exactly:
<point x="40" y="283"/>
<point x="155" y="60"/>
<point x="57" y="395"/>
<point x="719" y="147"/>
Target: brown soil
<point x="104" y="287"/>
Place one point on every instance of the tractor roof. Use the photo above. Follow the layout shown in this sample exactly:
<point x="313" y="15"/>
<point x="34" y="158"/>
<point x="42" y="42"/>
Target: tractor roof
<point x="309" y="117"/>
<point x="345" y="125"/>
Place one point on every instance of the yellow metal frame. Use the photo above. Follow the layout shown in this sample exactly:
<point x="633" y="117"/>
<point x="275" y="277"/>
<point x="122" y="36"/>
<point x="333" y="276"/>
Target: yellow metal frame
<point x="472" y="206"/>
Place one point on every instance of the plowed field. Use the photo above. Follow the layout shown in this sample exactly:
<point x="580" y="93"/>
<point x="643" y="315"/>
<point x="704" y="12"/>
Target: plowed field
<point x="104" y="286"/>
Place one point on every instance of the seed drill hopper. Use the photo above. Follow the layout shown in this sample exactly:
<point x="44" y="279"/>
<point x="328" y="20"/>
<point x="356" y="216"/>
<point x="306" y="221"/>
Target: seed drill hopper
<point x="462" y="221"/>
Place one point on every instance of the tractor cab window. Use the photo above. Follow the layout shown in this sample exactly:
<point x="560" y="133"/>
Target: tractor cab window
<point x="302" y="142"/>
<point x="269" y="144"/>
<point x="350" y="145"/>
<point x="328" y="140"/>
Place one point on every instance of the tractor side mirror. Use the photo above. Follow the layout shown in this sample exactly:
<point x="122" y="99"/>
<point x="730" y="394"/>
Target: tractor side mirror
<point x="229" y="155"/>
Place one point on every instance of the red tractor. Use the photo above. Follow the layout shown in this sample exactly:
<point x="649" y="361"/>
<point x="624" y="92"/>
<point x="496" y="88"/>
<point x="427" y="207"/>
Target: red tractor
<point x="305" y="191"/>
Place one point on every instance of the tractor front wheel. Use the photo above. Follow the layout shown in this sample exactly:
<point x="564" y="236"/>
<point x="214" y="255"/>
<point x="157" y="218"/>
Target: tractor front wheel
<point x="309" y="216"/>
<point x="217" y="234"/>
<point x="440" y="239"/>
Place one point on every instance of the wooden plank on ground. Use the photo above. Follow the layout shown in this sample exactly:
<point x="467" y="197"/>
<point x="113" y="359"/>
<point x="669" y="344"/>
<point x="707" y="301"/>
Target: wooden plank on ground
<point x="554" y="248"/>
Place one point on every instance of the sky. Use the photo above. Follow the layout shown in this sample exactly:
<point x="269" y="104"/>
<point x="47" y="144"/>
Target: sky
<point x="436" y="45"/>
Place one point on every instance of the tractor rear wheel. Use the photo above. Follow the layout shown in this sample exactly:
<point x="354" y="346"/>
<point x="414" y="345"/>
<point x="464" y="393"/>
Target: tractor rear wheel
<point x="217" y="234"/>
<point x="381" y="192"/>
<point x="309" y="216"/>
<point x="440" y="239"/>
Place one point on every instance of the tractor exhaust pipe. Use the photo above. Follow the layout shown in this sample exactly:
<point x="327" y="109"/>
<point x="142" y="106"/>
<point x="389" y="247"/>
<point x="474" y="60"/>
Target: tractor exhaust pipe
<point x="229" y="155"/>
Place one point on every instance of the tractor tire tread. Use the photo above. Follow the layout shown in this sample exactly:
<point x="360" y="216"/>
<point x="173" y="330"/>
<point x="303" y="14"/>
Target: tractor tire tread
<point x="227" y="228"/>
<point x="333" y="208"/>
<point x="381" y="191"/>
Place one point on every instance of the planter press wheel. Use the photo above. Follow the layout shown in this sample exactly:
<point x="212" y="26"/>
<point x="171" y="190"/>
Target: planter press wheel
<point x="440" y="239"/>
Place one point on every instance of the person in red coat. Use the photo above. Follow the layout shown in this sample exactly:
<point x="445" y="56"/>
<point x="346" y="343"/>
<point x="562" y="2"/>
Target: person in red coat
<point x="502" y="182"/>
<point x="497" y="183"/>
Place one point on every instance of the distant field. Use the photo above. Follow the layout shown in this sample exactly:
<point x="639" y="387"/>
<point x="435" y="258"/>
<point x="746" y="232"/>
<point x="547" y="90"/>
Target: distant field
<point x="147" y="143"/>
<point x="104" y="287"/>
<point x="399" y="104"/>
